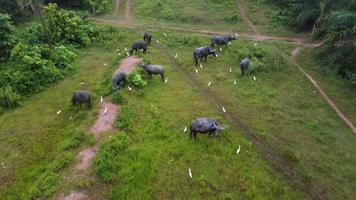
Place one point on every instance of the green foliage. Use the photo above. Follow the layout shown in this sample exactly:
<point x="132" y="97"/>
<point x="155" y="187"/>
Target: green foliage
<point x="262" y="60"/>
<point x="119" y="98"/>
<point x="126" y="119"/>
<point x="106" y="161"/>
<point x="136" y="80"/>
<point x="67" y="27"/>
<point x="99" y="6"/>
<point x="37" y="66"/>
<point x="7" y="29"/>
<point x="8" y="98"/>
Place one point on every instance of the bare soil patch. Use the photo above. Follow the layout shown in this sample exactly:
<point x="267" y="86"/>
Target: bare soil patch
<point x="85" y="157"/>
<point x="107" y="116"/>
<point x="244" y="15"/>
<point x="75" y="196"/>
<point x="117" y="6"/>
<point x="296" y="52"/>
<point x="128" y="64"/>
<point x="128" y="14"/>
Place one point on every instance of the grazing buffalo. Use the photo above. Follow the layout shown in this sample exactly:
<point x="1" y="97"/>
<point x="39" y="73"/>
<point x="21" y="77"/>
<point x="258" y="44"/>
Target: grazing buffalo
<point x="117" y="80"/>
<point x="203" y="52"/>
<point x="222" y="40"/>
<point x="204" y="125"/>
<point x="244" y="66"/>
<point x="147" y="37"/>
<point x="153" y="69"/>
<point x="137" y="46"/>
<point x="81" y="97"/>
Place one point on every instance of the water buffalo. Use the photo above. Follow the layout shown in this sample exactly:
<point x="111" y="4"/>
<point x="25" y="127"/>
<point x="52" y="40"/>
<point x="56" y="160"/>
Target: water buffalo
<point x="137" y="46"/>
<point x="203" y="52"/>
<point x="117" y="80"/>
<point x="204" y="125"/>
<point x="222" y="40"/>
<point x="244" y="65"/>
<point x="153" y="69"/>
<point x="81" y="97"/>
<point x="147" y="37"/>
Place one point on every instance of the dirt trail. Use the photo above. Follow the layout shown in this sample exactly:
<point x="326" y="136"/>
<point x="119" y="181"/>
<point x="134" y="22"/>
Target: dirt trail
<point x="117" y="6"/>
<point x="245" y="17"/>
<point x="331" y="103"/>
<point x="128" y="64"/>
<point x="254" y="37"/>
<point x="128" y="14"/>
<point x="85" y="157"/>
<point x="76" y="195"/>
<point x="107" y="115"/>
<point x="105" y="121"/>
<point x="296" y="52"/>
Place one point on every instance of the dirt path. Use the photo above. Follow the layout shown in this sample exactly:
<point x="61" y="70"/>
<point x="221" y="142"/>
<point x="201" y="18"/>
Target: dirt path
<point x="128" y="64"/>
<point x="106" y="119"/>
<point x="331" y="103"/>
<point x="295" y="52"/>
<point x="104" y="123"/>
<point x="128" y="14"/>
<point x="245" y="17"/>
<point x="117" y="6"/>
<point x="76" y="196"/>
<point x="254" y="37"/>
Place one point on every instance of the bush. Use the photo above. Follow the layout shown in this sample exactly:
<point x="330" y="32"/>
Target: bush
<point x="136" y="80"/>
<point x="67" y="27"/>
<point x="106" y="161"/>
<point x="8" y="98"/>
<point x="7" y="29"/>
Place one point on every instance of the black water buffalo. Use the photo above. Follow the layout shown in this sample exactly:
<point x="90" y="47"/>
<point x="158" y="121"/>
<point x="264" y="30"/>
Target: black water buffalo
<point x="204" y="125"/>
<point x="153" y="69"/>
<point x="137" y="46"/>
<point x="81" y="97"/>
<point x="222" y="40"/>
<point x="244" y="65"/>
<point x="203" y="52"/>
<point x="147" y="37"/>
<point x="117" y="80"/>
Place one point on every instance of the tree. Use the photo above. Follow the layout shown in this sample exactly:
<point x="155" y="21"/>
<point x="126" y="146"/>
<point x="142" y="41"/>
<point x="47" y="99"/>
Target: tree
<point x="7" y="40"/>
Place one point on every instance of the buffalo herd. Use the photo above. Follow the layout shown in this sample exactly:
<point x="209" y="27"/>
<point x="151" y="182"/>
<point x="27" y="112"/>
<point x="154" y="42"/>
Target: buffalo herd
<point x="200" y="125"/>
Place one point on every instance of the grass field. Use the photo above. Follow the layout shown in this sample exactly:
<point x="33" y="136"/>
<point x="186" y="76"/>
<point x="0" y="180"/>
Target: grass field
<point x="206" y="14"/>
<point x="36" y="143"/>
<point x="264" y="17"/>
<point x="149" y="155"/>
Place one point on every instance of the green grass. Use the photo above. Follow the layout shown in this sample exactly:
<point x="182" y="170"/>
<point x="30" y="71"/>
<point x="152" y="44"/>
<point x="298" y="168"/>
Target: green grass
<point x="205" y="14"/>
<point x="155" y="162"/>
<point x="334" y="85"/>
<point x="150" y="156"/>
<point x="36" y="144"/>
<point x="282" y="107"/>
<point x="263" y="16"/>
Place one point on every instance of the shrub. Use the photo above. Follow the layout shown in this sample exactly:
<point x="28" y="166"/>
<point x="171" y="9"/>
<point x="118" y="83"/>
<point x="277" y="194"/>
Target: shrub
<point x="7" y="29"/>
<point x="106" y="161"/>
<point x="8" y="98"/>
<point x="67" y="27"/>
<point x="136" y="80"/>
